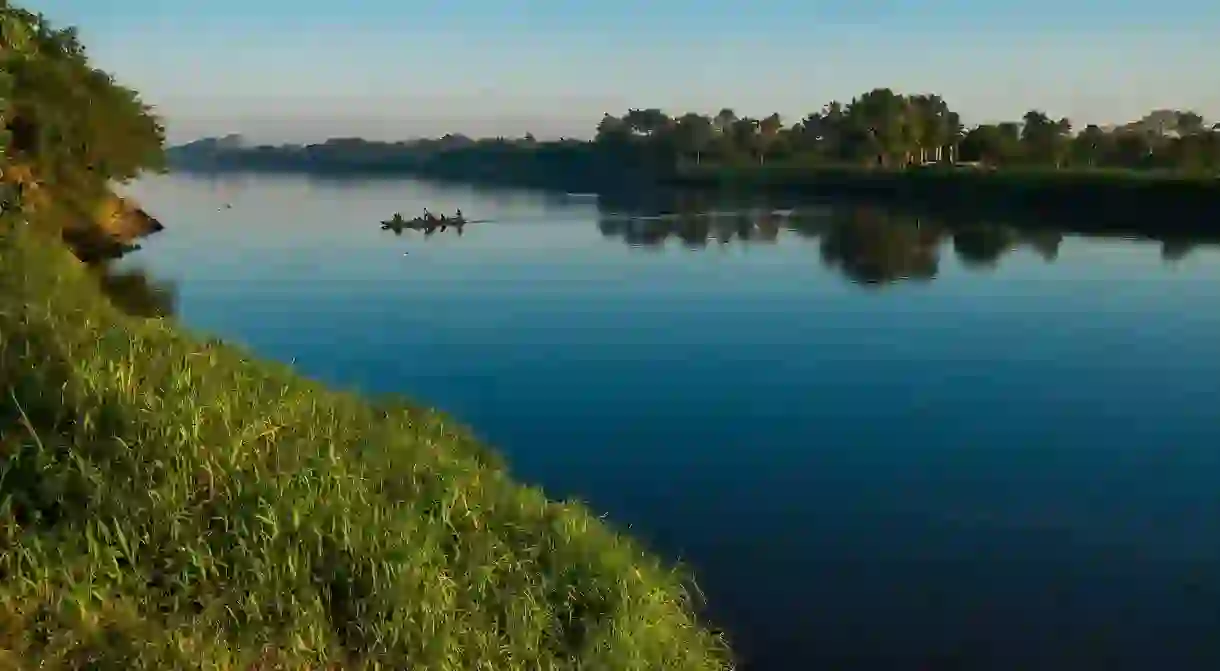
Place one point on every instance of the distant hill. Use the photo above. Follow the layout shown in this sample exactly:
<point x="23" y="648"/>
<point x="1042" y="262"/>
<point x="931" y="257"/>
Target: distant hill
<point x="232" y="141"/>
<point x="205" y="150"/>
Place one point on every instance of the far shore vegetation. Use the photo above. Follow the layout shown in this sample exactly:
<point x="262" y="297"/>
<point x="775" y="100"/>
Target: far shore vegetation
<point x="168" y="502"/>
<point x="881" y="144"/>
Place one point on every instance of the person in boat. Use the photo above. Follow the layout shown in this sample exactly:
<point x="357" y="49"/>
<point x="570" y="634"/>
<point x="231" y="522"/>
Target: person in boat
<point x="458" y="215"/>
<point x="428" y="216"/>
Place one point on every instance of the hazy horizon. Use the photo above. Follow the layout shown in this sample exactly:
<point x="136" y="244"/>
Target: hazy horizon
<point x="280" y="72"/>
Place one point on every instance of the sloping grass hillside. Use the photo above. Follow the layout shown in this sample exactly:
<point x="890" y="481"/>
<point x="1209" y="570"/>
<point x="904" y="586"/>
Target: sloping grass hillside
<point x="171" y="503"/>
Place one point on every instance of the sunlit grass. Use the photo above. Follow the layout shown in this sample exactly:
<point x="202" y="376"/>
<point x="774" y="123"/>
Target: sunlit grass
<point x="171" y="503"/>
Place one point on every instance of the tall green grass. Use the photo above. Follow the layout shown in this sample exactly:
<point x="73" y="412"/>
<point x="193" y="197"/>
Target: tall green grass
<point x="171" y="503"/>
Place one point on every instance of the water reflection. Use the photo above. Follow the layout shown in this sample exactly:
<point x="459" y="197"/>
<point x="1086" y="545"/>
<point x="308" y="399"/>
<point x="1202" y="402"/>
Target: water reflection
<point x="1176" y="249"/>
<point x="870" y="248"/>
<point x="427" y="228"/>
<point x="134" y="293"/>
<point x="869" y="244"/>
<point x="980" y="246"/>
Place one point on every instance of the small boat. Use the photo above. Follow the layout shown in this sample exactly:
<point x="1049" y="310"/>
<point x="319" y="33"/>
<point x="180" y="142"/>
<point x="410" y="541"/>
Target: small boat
<point x="398" y="222"/>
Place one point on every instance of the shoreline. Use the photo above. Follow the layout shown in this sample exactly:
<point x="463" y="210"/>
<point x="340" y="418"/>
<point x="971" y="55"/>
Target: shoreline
<point x="1146" y="204"/>
<point x="113" y="233"/>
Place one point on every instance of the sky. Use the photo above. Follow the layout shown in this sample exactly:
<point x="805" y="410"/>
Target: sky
<point x="305" y="70"/>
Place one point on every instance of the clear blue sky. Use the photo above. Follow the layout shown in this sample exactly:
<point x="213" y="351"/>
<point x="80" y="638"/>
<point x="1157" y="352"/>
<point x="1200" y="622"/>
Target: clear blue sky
<point x="292" y="70"/>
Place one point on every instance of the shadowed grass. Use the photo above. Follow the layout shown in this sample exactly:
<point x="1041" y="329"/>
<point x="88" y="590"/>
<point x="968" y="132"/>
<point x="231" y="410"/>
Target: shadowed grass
<point x="169" y="503"/>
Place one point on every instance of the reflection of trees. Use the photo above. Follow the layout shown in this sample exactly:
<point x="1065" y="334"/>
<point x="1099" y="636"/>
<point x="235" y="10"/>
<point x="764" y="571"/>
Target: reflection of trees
<point x="872" y="248"/>
<point x="694" y="231"/>
<point x="1176" y="249"/>
<point x="981" y="245"/>
<point x="869" y="245"/>
<point x="1045" y="242"/>
<point x="133" y="292"/>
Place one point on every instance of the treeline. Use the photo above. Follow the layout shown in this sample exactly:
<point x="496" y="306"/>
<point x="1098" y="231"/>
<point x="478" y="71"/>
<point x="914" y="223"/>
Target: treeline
<point x="879" y="129"/>
<point x="887" y="129"/>
<point x="566" y="164"/>
<point x="68" y="131"/>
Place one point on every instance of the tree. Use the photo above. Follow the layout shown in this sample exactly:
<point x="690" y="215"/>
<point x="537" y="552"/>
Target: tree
<point x="743" y="135"/>
<point x="1044" y="140"/>
<point x="938" y="126"/>
<point x="1195" y="152"/>
<point x="694" y="134"/>
<point x="821" y="132"/>
<point x="69" y="129"/>
<point x="956" y="133"/>
<point x="1090" y="146"/>
<point x="647" y="122"/>
<point x="1133" y="149"/>
<point x="876" y="122"/>
<point x="768" y="133"/>
<point x="925" y="126"/>
<point x="724" y="120"/>
<point x="612" y="131"/>
<point x="993" y="144"/>
<point x="1189" y="123"/>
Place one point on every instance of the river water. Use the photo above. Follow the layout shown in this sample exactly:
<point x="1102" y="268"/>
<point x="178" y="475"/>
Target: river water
<point x="879" y="440"/>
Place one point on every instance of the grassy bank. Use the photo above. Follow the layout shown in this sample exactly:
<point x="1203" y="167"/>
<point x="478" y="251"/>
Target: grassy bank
<point x="170" y="503"/>
<point x="1154" y="201"/>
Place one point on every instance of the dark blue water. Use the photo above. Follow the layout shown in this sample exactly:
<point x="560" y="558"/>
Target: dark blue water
<point x="881" y="441"/>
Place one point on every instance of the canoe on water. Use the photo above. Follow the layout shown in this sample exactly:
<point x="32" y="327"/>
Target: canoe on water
<point x="397" y="221"/>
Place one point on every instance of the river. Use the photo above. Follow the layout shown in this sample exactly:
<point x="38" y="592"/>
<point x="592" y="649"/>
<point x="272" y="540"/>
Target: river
<point x="879" y="440"/>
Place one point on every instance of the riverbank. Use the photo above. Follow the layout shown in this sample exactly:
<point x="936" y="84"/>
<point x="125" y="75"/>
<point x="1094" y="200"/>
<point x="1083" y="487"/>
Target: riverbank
<point x="97" y="224"/>
<point x="1144" y="202"/>
<point x="172" y="503"/>
<point x="113" y="229"/>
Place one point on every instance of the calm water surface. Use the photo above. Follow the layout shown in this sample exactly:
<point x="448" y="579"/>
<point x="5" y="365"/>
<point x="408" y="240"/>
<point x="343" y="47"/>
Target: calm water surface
<point x="879" y="445"/>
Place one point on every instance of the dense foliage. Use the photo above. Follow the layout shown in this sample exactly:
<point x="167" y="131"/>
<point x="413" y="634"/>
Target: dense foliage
<point x="880" y="128"/>
<point x="68" y="129"/>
